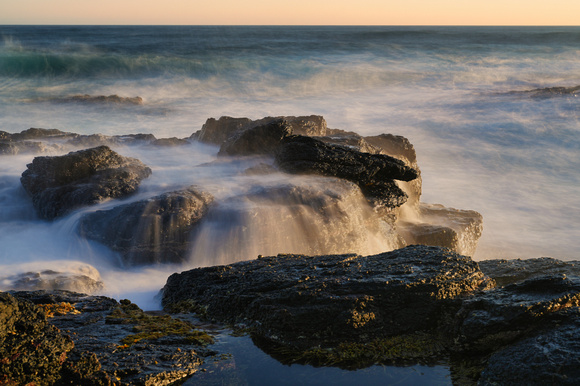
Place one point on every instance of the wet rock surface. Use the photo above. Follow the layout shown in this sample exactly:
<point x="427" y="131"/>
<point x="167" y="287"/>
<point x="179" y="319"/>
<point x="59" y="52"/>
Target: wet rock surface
<point x="374" y="173"/>
<point x="516" y="270"/>
<point x="32" y="351"/>
<point x="61" y="184"/>
<point x="117" y="343"/>
<point x="150" y="231"/>
<point x="303" y="301"/>
<point x="261" y="139"/>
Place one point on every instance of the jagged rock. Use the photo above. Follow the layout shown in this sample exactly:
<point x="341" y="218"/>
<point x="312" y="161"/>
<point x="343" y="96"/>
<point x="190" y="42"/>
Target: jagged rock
<point x="490" y="320"/>
<point x="514" y="271"/>
<point x="257" y="140"/>
<point x="308" y="301"/>
<point x="374" y="173"/>
<point x="156" y="230"/>
<point x="31" y="350"/>
<point x="551" y="357"/>
<point x="452" y="228"/>
<point x="118" y="343"/>
<point x="351" y="140"/>
<point x="26" y="147"/>
<point x="217" y="131"/>
<point x="61" y="184"/>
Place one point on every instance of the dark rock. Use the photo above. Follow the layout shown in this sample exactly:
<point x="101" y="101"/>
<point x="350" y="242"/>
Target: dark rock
<point x="394" y="145"/>
<point x="156" y="230"/>
<point x="372" y="172"/>
<point x="258" y="140"/>
<point x="26" y="147"/>
<point x="118" y="343"/>
<point x="495" y="318"/>
<point x="441" y="226"/>
<point x="308" y="301"/>
<point x="61" y="184"/>
<point x="517" y="270"/>
<point x="217" y="131"/>
<point x="551" y="357"/>
<point x="31" y="350"/>
<point x="351" y="140"/>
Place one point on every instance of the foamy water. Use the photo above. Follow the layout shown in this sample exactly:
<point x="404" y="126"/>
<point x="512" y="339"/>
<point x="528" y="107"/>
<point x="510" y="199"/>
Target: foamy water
<point x="513" y="158"/>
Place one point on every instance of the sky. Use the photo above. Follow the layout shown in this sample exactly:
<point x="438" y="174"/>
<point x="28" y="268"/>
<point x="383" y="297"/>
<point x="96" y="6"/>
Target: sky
<point x="291" y="12"/>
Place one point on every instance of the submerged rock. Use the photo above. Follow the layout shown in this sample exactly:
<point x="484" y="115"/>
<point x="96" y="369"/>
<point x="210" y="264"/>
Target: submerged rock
<point x="374" y="173"/>
<point x="517" y="270"/>
<point x="61" y="184"/>
<point x="308" y="301"/>
<point x="548" y="92"/>
<point x="106" y="99"/>
<point x="156" y="230"/>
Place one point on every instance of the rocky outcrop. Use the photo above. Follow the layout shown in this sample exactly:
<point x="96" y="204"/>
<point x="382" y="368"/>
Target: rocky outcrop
<point x="548" y="92"/>
<point x="94" y="140"/>
<point x="309" y="301"/>
<point x="61" y="184"/>
<point x="506" y="272"/>
<point x="374" y="173"/>
<point x="258" y="140"/>
<point x="156" y="230"/>
<point x="31" y="350"/>
<point x="217" y="131"/>
<point x="115" y="343"/>
<point x="30" y="141"/>
<point x="446" y="227"/>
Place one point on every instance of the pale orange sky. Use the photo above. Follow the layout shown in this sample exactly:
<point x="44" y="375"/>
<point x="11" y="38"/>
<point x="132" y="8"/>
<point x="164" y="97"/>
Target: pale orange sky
<point x="301" y="12"/>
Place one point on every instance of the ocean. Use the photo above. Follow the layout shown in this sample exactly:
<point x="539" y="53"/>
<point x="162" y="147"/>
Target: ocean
<point x="463" y="96"/>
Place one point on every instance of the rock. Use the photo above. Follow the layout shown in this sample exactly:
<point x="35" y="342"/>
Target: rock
<point x="374" y="173"/>
<point x="258" y="140"/>
<point x="168" y="142"/>
<point x="217" y="131"/>
<point x="35" y="133"/>
<point x="110" y="99"/>
<point x="551" y="357"/>
<point x="26" y="147"/>
<point x="548" y="92"/>
<point x="95" y="140"/>
<point x="118" y="343"/>
<point x="452" y="228"/>
<point x="31" y="350"/>
<point x="351" y="140"/>
<point x="61" y="184"/>
<point x="54" y="275"/>
<point x="322" y="301"/>
<point x="506" y="272"/>
<point x="156" y="230"/>
<point x="490" y="320"/>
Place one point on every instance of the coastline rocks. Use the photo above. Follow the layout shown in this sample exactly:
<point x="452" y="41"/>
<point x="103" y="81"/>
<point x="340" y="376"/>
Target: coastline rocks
<point x="517" y="270"/>
<point x="372" y="172"/>
<point x="116" y="343"/>
<point x="548" y="92"/>
<point x="261" y="139"/>
<point x="105" y="99"/>
<point x="308" y="301"/>
<point x="452" y="228"/>
<point x="500" y="316"/>
<point x="217" y="131"/>
<point x="156" y="230"/>
<point x="61" y="184"/>
<point x="31" y="350"/>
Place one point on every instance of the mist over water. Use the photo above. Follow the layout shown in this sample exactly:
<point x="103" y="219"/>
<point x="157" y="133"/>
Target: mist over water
<point x="512" y="157"/>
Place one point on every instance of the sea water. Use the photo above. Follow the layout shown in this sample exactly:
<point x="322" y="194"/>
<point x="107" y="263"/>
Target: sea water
<point x="457" y="93"/>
